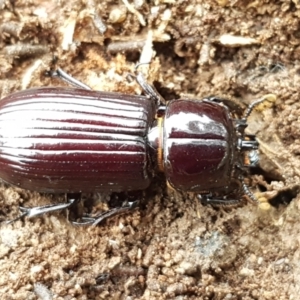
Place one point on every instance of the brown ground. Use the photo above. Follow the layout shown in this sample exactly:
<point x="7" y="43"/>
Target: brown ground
<point x="171" y="248"/>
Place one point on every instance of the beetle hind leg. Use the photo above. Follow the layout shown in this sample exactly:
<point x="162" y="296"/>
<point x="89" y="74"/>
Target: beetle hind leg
<point x="31" y="212"/>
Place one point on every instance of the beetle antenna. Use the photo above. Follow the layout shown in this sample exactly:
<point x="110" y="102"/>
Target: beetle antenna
<point x="251" y="107"/>
<point x="247" y="191"/>
<point x="248" y="142"/>
<point x="269" y="97"/>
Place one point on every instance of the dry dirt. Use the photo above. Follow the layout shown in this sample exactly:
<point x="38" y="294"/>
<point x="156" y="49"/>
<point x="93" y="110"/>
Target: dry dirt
<point x="171" y="247"/>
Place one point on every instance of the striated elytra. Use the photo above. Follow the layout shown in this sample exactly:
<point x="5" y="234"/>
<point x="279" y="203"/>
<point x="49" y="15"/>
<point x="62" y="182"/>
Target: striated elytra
<point x="70" y="140"/>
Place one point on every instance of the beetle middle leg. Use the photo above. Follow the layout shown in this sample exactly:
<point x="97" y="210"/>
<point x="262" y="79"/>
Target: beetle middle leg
<point x="119" y="203"/>
<point x="94" y="221"/>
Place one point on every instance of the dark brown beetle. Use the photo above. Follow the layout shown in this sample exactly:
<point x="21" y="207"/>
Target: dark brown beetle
<point x="73" y="140"/>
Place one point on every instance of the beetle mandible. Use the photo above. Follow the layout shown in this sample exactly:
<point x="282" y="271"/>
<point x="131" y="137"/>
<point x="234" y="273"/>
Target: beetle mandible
<point x="73" y="140"/>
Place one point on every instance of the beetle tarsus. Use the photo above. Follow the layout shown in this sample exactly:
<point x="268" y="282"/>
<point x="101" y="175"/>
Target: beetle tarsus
<point x="94" y="221"/>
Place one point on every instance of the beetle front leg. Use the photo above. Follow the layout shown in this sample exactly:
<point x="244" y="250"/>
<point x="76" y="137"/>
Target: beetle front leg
<point x="233" y="105"/>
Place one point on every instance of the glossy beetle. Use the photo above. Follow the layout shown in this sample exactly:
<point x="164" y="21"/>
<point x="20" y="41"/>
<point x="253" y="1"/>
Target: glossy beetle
<point x="73" y="140"/>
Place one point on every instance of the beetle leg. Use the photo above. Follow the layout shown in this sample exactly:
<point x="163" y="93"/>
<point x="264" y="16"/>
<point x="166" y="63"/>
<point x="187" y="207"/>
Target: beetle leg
<point x="31" y="212"/>
<point x="94" y="221"/>
<point x="149" y="89"/>
<point x="252" y="159"/>
<point x="209" y="199"/>
<point x="60" y="74"/>
<point x="233" y="105"/>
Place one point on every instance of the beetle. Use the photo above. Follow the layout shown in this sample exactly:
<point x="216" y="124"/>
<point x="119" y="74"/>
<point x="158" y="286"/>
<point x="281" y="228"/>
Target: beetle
<point x="74" y="140"/>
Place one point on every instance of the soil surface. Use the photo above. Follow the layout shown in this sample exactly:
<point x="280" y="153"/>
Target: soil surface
<point x="171" y="247"/>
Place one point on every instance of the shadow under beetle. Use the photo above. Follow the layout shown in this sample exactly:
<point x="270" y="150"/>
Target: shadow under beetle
<point x="73" y="140"/>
